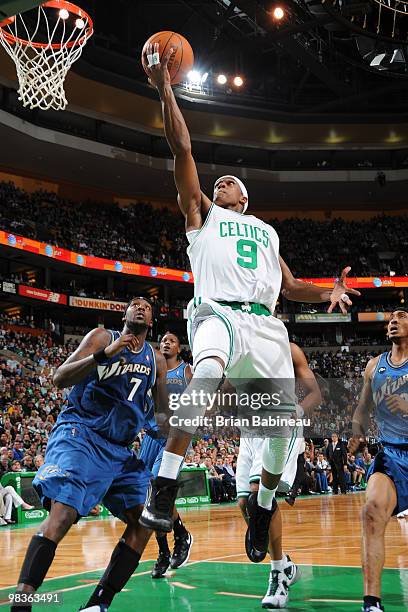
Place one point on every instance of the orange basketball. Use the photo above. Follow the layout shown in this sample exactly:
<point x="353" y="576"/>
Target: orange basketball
<point x="181" y="61"/>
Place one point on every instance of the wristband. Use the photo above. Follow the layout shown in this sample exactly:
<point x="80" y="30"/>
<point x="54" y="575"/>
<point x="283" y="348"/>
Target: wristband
<point x="100" y="356"/>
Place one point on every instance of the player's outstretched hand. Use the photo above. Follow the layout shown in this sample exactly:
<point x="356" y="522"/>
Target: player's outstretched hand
<point x="339" y="295"/>
<point x="156" y="70"/>
<point x="126" y="341"/>
<point x="396" y="404"/>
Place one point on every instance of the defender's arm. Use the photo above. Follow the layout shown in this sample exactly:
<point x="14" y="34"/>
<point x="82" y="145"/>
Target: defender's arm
<point x="361" y="417"/>
<point x="82" y="362"/>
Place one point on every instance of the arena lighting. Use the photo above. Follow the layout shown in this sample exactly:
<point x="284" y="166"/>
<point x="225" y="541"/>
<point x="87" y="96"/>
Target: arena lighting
<point x="238" y="81"/>
<point x="194" y="76"/>
<point x="278" y="13"/>
<point x="221" y="79"/>
<point x="204" y="77"/>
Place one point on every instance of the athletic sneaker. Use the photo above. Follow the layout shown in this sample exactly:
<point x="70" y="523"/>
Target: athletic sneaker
<point x="372" y="608"/>
<point x="278" y="591"/>
<point x="291" y="571"/>
<point x="257" y="534"/>
<point x="402" y="514"/>
<point x="181" y="550"/>
<point x="100" y="608"/>
<point x="290" y="499"/>
<point x="158" y="509"/>
<point x="161" y="566"/>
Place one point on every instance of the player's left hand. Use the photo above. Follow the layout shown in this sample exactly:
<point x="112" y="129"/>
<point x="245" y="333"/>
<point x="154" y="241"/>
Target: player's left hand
<point x="396" y="404"/>
<point x="339" y="294"/>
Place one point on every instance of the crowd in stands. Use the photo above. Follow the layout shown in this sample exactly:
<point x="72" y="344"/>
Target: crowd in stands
<point x="144" y="234"/>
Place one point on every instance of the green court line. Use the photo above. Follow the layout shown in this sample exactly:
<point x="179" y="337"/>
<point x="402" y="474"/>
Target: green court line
<point x="227" y="587"/>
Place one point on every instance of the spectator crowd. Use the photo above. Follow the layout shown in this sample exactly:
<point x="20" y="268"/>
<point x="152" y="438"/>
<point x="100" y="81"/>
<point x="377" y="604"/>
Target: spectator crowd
<point x="143" y="233"/>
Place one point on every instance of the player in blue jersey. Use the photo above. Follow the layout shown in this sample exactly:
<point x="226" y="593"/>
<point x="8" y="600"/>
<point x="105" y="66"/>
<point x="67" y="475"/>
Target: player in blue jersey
<point x="88" y="458"/>
<point x="386" y="391"/>
<point x="151" y="453"/>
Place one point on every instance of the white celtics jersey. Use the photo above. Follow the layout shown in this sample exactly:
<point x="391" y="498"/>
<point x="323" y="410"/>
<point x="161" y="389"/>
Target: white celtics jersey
<point x="235" y="258"/>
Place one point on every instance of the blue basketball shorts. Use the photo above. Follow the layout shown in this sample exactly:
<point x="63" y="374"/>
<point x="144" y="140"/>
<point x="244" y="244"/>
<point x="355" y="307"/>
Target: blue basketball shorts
<point x="151" y="453"/>
<point x="82" y="469"/>
<point x="393" y="462"/>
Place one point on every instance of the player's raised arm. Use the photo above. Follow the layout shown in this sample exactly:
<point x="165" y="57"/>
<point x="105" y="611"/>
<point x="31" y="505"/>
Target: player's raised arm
<point x="361" y="417"/>
<point x="193" y="204"/>
<point x="95" y="348"/>
<point x="306" y="378"/>
<point x="299" y="291"/>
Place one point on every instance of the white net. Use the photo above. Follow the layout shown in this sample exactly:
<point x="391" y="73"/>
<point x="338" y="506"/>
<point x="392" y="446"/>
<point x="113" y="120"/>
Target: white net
<point x="44" y="49"/>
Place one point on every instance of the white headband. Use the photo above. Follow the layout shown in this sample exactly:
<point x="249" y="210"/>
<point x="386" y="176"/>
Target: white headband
<point x="241" y="185"/>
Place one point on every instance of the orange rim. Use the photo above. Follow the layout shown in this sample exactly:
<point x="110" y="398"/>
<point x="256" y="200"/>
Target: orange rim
<point x="58" y="4"/>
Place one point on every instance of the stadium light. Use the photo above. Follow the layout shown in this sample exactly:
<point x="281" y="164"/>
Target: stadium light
<point x="238" y="81"/>
<point x="221" y="79"/>
<point x="194" y="76"/>
<point x="278" y="13"/>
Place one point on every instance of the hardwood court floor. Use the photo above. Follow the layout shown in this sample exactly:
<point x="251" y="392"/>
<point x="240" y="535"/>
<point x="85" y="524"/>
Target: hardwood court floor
<point x="322" y="534"/>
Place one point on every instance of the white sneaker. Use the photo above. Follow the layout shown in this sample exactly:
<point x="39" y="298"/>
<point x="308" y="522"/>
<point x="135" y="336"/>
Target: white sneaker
<point x="101" y="608"/>
<point x="291" y="571"/>
<point x="277" y="594"/>
<point x="402" y="514"/>
<point x="2" y="522"/>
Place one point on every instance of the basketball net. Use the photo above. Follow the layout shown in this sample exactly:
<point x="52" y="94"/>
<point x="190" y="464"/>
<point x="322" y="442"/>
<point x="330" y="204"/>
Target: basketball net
<point x="42" y="65"/>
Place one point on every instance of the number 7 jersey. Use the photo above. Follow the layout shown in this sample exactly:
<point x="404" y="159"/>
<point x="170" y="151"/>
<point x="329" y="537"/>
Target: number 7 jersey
<point x="235" y="258"/>
<point x="112" y="399"/>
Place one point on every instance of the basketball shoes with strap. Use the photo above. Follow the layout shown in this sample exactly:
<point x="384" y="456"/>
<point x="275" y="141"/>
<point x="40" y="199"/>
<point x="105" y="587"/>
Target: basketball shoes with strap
<point x="278" y="591"/>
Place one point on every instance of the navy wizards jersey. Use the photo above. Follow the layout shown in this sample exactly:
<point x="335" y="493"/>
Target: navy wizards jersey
<point x="389" y="379"/>
<point x="176" y="383"/>
<point x="112" y="400"/>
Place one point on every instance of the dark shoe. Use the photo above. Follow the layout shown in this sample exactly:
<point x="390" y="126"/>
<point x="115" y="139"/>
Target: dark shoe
<point x="161" y="566"/>
<point x="181" y="550"/>
<point x="158" y="509"/>
<point x="371" y="608"/>
<point x="290" y="498"/>
<point x="257" y="534"/>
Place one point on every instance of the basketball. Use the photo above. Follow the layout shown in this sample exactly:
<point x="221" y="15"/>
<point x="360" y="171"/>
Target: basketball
<point x="182" y="59"/>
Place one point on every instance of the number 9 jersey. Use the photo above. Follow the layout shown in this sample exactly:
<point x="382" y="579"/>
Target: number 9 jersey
<point x="235" y="258"/>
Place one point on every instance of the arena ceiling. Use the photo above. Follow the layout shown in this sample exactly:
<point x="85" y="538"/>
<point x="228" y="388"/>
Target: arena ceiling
<point x="325" y="56"/>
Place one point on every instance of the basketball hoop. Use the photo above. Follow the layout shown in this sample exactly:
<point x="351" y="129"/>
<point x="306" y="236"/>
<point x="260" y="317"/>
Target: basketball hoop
<point x="44" y="47"/>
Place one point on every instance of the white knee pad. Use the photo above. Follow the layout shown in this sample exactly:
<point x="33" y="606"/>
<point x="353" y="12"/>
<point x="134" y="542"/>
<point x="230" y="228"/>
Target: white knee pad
<point x="211" y="340"/>
<point x="195" y="398"/>
<point x="274" y="454"/>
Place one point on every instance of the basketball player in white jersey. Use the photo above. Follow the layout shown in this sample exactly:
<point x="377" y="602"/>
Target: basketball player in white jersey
<point x="238" y="275"/>
<point x="283" y="571"/>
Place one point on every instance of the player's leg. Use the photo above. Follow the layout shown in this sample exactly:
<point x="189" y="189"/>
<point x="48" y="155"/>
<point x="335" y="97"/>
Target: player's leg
<point x="283" y="571"/>
<point x="270" y="338"/>
<point x="123" y="562"/>
<point x="381" y="501"/>
<point x="262" y="505"/>
<point x="41" y="550"/>
<point x="183" y="541"/>
<point x="70" y="483"/>
<point x="211" y="349"/>
<point x="124" y="499"/>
